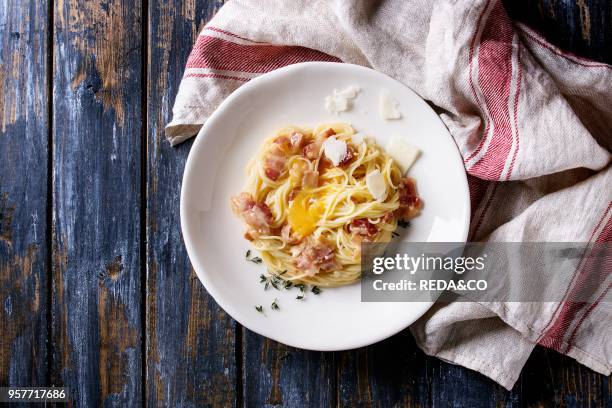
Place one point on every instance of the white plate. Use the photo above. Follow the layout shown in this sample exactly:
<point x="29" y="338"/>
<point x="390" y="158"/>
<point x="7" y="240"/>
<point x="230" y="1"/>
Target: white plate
<point x="336" y="319"/>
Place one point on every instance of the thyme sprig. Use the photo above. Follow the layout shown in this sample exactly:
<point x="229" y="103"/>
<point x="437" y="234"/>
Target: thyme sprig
<point x="254" y="259"/>
<point x="403" y="224"/>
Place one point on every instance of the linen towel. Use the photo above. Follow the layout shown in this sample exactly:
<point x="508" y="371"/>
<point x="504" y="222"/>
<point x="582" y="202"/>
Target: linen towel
<point x="532" y="123"/>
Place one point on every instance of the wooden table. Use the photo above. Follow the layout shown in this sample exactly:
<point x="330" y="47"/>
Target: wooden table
<point x="96" y="290"/>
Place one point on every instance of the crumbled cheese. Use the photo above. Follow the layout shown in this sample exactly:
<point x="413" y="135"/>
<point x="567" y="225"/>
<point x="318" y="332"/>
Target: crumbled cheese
<point x="388" y="106"/>
<point x="403" y="153"/>
<point x="338" y="101"/>
<point x="350" y="92"/>
<point x="335" y="150"/>
<point x="376" y="184"/>
<point x="358" y="138"/>
<point x="335" y="104"/>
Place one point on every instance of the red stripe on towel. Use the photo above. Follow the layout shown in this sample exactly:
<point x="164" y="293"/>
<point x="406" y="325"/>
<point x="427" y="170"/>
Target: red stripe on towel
<point x="217" y="29"/>
<point x="494" y="79"/>
<point x="218" y="76"/>
<point x="602" y="272"/>
<point x="219" y="54"/>
<point x="555" y="333"/>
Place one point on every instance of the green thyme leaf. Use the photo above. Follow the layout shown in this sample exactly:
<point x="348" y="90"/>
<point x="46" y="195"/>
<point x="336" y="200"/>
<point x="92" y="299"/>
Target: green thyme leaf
<point x="316" y="290"/>
<point x="403" y="224"/>
<point x="259" y="309"/>
<point x="275" y="305"/>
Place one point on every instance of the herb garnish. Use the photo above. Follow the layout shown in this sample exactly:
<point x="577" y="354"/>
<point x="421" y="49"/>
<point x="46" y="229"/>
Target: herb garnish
<point x="394" y="234"/>
<point x="301" y="287"/>
<point x="259" y="309"/>
<point x="255" y="259"/>
<point x="279" y="283"/>
<point x="403" y="224"/>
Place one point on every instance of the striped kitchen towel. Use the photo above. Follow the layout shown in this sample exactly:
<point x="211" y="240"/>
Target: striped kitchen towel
<point x="532" y="123"/>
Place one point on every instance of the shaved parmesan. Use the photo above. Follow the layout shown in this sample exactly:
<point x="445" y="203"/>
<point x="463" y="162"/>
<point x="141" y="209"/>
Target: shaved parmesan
<point x="388" y="106"/>
<point x="403" y="153"/>
<point x="335" y="104"/>
<point x="350" y="92"/>
<point x="335" y="150"/>
<point x="339" y="100"/>
<point x="358" y="138"/>
<point x="376" y="184"/>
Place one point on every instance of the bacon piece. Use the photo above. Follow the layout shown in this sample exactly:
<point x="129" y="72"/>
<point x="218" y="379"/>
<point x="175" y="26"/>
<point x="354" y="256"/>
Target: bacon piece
<point x="296" y="140"/>
<point x="310" y="179"/>
<point x="329" y="132"/>
<point x="311" y="150"/>
<point x="288" y="237"/>
<point x="364" y="228"/>
<point x="350" y="153"/>
<point x="271" y="173"/>
<point x="283" y="141"/>
<point x="257" y="215"/>
<point x="313" y="256"/>
<point x="410" y="202"/>
<point x="274" y="163"/>
<point x="388" y="217"/>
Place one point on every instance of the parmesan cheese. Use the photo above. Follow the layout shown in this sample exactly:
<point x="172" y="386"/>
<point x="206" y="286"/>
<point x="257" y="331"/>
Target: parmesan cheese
<point x="376" y="184"/>
<point x="339" y="101"/>
<point x="335" y="150"/>
<point x="403" y="153"/>
<point x="388" y="106"/>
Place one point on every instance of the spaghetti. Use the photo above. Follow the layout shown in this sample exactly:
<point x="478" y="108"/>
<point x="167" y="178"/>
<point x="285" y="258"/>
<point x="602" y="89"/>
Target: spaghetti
<point x="314" y="195"/>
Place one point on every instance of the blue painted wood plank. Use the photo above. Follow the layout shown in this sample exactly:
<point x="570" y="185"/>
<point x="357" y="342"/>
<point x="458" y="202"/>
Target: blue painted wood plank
<point x="97" y="125"/>
<point x="191" y="342"/>
<point x="24" y="159"/>
<point x="583" y="27"/>
<point x="277" y="375"/>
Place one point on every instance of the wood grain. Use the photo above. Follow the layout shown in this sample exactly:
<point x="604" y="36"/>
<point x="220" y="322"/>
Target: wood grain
<point x="278" y="375"/>
<point x="583" y="27"/>
<point x="191" y="342"/>
<point x="97" y="123"/>
<point x="24" y="124"/>
<point x="395" y="373"/>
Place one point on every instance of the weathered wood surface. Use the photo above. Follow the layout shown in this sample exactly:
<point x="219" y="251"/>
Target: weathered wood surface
<point x="583" y="27"/>
<point x="97" y="241"/>
<point x="191" y="342"/>
<point x="96" y="289"/>
<point x="24" y="110"/>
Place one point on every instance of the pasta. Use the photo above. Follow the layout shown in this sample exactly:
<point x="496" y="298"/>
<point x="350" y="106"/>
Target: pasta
<point x="308" y="215"/>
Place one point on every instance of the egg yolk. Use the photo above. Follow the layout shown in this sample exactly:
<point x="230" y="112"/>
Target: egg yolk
<point x="305" y="211"/>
